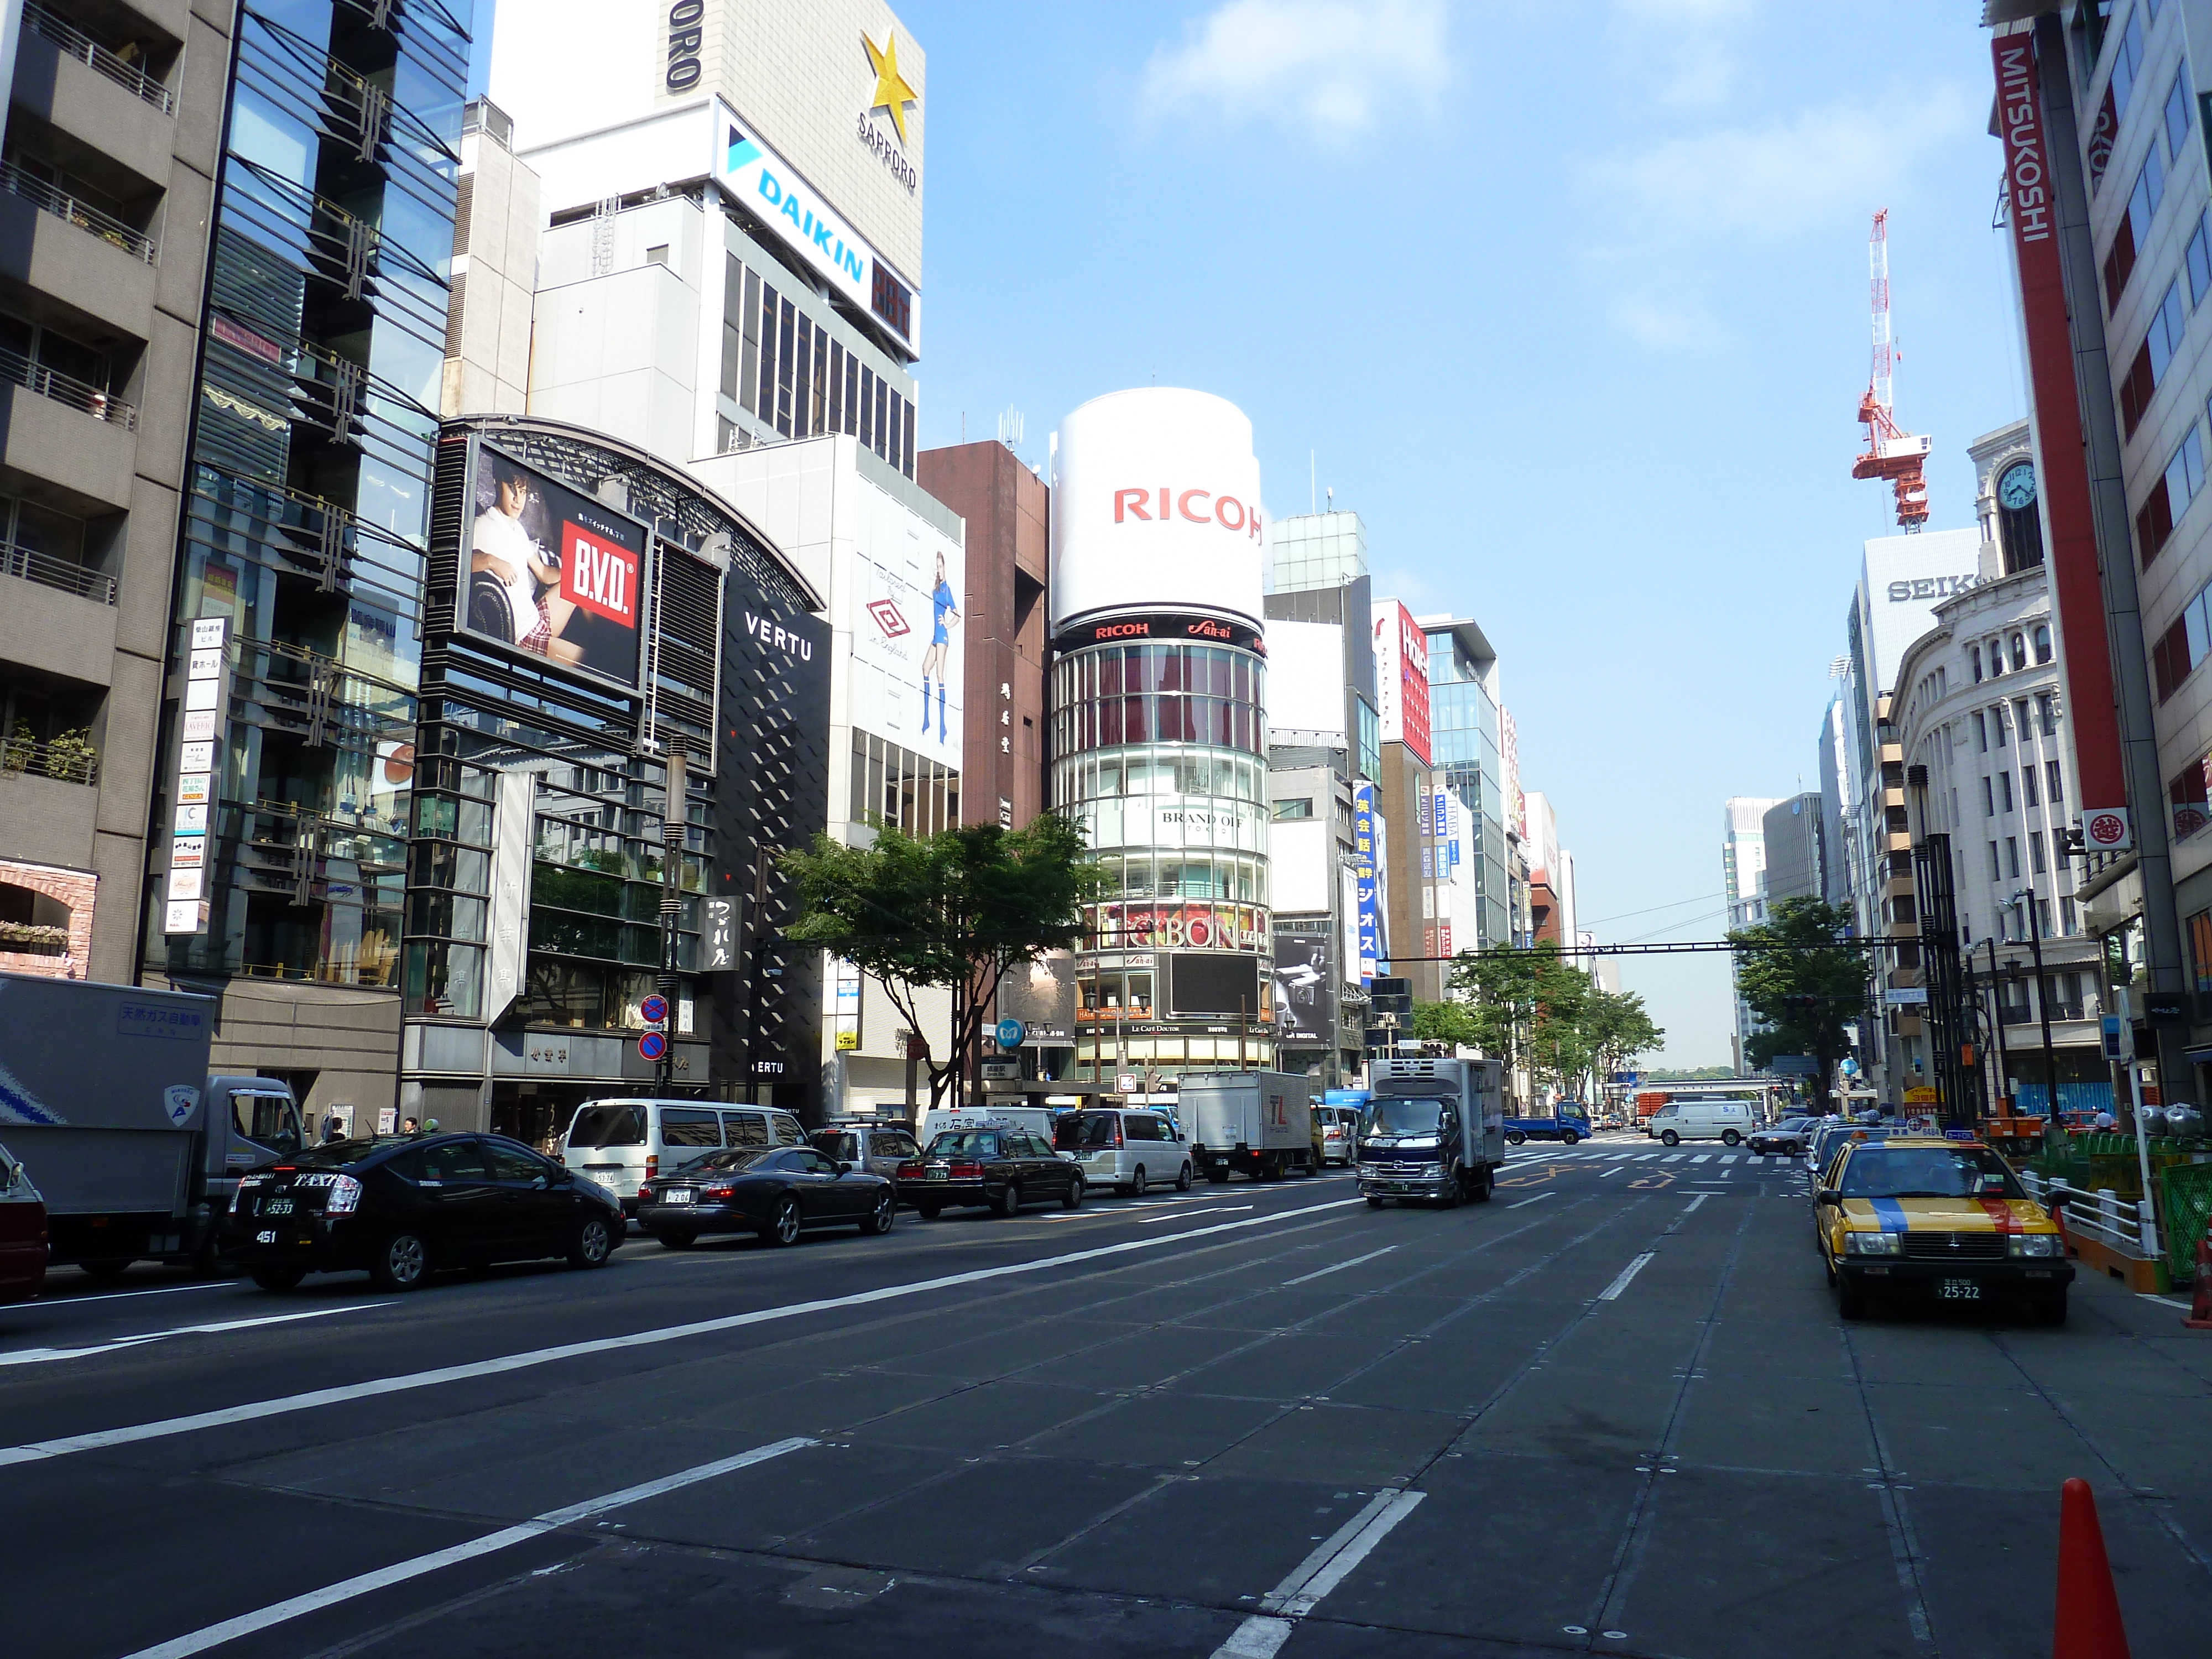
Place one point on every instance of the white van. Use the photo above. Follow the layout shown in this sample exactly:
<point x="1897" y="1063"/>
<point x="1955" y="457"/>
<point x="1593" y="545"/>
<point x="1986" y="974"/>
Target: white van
<point x="1725" y="1121"/>
<point x="622" y="1142"/>
<point x="1126" y="1148"/>
<point x="1036" y="1120"/>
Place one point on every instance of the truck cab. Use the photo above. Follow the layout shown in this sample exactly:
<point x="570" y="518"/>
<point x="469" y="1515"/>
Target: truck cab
<point x="1433" y="1129"/>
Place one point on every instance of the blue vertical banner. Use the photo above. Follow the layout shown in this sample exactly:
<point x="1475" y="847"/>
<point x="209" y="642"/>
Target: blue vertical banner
<point x="1364" y="856"/>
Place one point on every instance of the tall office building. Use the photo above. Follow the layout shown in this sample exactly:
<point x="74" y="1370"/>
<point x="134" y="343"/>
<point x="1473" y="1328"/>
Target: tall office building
<point x="112" y="118"/>
<point x="1743" y="872"/>
<point x="287" y="763"/>
<point x="1796" y="848"/>
<point x="1466" y="728"/>
<point x="1159" y="745"/>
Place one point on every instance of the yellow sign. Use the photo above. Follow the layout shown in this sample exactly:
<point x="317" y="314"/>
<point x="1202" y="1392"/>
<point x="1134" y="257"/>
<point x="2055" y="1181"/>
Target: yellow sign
<point x="848" y="1041"/>
<point x="1920" y="1096"/>
<point x="892" y="94"/>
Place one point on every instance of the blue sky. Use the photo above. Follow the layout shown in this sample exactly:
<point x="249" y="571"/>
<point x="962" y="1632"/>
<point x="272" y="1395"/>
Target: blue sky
<point x="1569" y="300"/>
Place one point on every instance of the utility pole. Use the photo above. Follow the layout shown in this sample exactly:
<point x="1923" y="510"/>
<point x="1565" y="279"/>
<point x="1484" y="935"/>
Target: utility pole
<point x="673" y="812"/>
<point x="2042" y="1002"/>
<point x="1997" y="1024"/>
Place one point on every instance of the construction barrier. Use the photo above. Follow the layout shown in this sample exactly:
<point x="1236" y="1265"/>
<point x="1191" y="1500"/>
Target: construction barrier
<point x="2087" y="1625"/>
<point x="2185" y="1211"/>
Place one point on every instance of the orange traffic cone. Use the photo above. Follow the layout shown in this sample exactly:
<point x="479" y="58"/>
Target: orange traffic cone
<point x="2089" y="1623"/>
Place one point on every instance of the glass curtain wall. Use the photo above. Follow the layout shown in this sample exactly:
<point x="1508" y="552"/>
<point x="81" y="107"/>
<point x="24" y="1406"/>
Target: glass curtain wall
<point x="1164" y="762"/>
<point x="306" y="518"/>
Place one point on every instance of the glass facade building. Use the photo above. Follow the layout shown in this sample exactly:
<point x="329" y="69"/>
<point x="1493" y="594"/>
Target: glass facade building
<point x="305" y="524"/>
<point x="1465" y="741"/>
<point x="1162" y="755"/>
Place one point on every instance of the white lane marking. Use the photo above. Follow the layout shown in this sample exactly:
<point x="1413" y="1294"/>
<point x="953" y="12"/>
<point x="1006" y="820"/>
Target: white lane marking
<point x="1694" y="1202"/>
<point x="1525" y="1202"/>
<point x="1614" y="1170"/>
<point x="346" y="1589"/>
<point x="1338" y="1267"/>
<point x="1222" y="1209"/>
<point x="315" y="1399"/>
<point x="117" y="1345"/>
<point x="1613" y="1289"/>
<point x="1645" y="1158"/>
<point x="1731" y="1157"/>
<point x="2170" y="1301"/>
<point x="1262" y="1635"/>
<point x="1702" y="1158"/>
<point x="1673" y="1158"/>
<point x="1619" y="1157"/>
<point x="117" y="1296"/>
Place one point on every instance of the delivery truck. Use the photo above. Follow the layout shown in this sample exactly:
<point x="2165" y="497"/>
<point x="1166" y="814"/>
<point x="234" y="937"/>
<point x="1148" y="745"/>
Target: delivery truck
<point x="105" y="1097"/>
<point x="1260" y="1123"/>
<point x="1434" y="1129"/>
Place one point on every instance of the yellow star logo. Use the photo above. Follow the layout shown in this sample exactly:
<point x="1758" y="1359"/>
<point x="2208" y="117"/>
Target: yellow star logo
<point x="892" y="93"/>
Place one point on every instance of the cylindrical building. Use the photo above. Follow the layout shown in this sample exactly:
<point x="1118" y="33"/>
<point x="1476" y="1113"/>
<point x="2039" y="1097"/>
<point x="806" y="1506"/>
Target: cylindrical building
<point x="1159" y="728"/>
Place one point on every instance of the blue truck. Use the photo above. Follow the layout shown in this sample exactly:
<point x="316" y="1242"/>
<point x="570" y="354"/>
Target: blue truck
<point x="1568" y="1123"/>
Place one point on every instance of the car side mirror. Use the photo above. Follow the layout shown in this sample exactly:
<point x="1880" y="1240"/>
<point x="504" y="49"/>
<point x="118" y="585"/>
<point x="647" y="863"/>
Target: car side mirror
<point x="1827" y="1195"/>
<point x="844" y="1167"/>
<point x="538" y="1183"/>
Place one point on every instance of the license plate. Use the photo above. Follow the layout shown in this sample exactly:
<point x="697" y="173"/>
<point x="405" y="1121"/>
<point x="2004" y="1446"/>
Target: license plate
<point x="938" y="1172"/>
<point x="277" y="1206"/>
<point x="678" y="1195"/>
<point x="1958" y="1289"/>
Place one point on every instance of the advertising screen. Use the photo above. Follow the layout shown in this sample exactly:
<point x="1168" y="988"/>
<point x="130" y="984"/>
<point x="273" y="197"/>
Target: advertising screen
<point x="1215" y="985"/>
<point x="1305" y="1004"/>
<point x="551" y="571"/>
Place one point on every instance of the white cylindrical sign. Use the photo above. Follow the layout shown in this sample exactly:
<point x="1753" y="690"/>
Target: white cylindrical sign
<point x="1155" y="504"/>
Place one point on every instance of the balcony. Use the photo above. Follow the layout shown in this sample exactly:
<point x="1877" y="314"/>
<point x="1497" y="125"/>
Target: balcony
<point x="47" y="804"/>
<point x="74" y="43"/>
<point x="80" y="395"/>
<point x="48" y="199"/>
<point x="59" y="619"/>
<point x="69" y="434"/>
<point x="52" y="245"/>
<point x="88" y="93"/>
<point x="28" y="564"/>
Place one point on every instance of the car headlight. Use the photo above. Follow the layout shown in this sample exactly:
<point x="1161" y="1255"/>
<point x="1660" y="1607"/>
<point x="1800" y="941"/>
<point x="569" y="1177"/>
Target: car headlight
<point x="1871" y="1243"/>
<point x="2040" y="1244"/>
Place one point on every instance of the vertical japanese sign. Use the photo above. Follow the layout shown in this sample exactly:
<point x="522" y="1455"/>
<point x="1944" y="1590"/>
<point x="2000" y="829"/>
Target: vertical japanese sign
<point x="192" y="803"/>
<point x="1366" y="869"/>
<point x="2086" y="661"/>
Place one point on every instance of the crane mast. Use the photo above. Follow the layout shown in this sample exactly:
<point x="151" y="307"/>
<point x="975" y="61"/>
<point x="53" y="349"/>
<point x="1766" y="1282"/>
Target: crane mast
<point x="1891" y="453"/>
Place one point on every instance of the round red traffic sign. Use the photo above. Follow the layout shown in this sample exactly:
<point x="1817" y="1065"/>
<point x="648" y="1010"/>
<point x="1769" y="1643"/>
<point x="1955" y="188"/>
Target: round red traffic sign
<point x="652" y="1046"/>
<point x="654" y="1008"/>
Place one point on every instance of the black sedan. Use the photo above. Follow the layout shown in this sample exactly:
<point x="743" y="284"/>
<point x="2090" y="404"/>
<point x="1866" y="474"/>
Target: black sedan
<point x="1001" y="1169"/>
<point x="401" y="1206"/>
<point x="777" y="1192"/>
<point x="1788" y="1138"/>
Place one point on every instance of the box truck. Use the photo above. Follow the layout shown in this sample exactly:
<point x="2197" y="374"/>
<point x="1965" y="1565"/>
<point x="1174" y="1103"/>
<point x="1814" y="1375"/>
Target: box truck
<point x="1260" y="1123"/>
<point x="1433" y="1129"/>
<point x="107" y="1099"/>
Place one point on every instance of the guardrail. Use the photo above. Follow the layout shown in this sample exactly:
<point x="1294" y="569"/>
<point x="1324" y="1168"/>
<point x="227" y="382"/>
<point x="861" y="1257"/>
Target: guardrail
<point x="99" y="59"/>
<point x="67" y="762"/>
<point x="2125" y="1223"/>
<point x="63" y="206"/>
<point x="33" y="566"/>
<point x="77" y="394"/>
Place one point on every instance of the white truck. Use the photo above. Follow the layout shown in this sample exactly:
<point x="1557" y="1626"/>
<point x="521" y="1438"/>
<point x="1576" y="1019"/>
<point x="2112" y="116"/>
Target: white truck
<point x="1260" y="1123"/>
<point x="105" y="1097"/>
<point x="1431" y="1129"/>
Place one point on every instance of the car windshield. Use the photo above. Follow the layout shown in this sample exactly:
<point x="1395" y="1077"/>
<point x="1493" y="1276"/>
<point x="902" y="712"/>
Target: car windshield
<point x="734" y="1157"/>
<point x="964" y="1143"/>
<point x="1927" y="1172"/>
<point x="1080" y="1129"/>
<point x="333" y="1154"/>
<point x="608" y="1125"/>
<point x="1401" y="1117"/>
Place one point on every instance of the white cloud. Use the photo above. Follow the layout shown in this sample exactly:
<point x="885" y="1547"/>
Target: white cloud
<point x="1664" y="327"/>
<point x="1326" y="64"/>
<point x="1791" y="172"/>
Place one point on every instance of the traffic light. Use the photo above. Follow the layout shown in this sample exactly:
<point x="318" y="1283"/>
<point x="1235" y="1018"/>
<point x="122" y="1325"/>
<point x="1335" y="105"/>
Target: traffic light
<point x="1804" y="1006"/>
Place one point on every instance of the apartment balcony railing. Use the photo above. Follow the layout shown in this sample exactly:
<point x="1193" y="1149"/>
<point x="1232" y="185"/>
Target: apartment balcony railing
<point x="105" y="226"/>
<point x="33" y="566"/>
<point x="66" y="762"/>
<point x="37" y="377"/>
<point x="89" y="52"/>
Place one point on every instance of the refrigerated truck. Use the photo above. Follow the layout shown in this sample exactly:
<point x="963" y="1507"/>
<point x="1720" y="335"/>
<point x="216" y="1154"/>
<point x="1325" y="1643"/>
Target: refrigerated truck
<point x="107" y="1099"/>
<point x="1260" y="1123"/>
<point x="1434" y="1129"/>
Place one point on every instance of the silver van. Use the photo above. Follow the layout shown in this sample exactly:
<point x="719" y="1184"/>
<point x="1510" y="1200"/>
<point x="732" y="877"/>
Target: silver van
<point x="1125" y="1148"/>
<point x="622" y="1142"/>
<point x="878" y="1148"/>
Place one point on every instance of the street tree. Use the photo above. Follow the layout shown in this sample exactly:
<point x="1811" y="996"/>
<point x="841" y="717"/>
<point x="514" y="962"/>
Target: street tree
<point x="1523" y="1004"/>
<point x="1451" y="1024"/>
<point x="952" y="911"/>
<point x="1618" y="1029"/>
<point x="1801" y="982"/>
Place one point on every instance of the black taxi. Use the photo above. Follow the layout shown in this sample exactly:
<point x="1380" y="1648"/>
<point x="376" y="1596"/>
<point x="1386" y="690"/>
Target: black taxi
<point x="1000" y="1169"/>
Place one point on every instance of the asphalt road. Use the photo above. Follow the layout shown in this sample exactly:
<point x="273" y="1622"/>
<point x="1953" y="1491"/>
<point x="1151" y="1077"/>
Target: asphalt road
<point x="1613" y="1411"/>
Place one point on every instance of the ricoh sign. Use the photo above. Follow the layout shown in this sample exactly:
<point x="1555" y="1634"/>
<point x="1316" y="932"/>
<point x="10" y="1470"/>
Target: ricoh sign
<point x="1156" y="507"/>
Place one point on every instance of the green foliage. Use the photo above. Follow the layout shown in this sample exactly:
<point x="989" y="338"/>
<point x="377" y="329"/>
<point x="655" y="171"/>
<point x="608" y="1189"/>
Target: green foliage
<point x="1694" y="1074"/>
<point x="1803" y="984"/>
<point x="953" y="911"/>
<point x="1450" y="1024"/>
<point x="1538" y="1013"/>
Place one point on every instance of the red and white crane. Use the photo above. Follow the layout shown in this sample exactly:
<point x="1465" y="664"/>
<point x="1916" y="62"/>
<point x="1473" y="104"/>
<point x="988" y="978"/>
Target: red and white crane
<point x="1891" y="453"/>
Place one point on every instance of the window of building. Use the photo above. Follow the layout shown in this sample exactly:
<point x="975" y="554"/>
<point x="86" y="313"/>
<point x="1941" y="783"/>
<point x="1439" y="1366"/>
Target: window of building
<point x="2019" y="652"/>
<point x="1995" y="874"/>
<point x="2186" y="799"/>
<point x="1996" y="658"/>
<point x="1997" y="724"/>
<point x="1989" y="798"/>
<point x="2170" y="496"/>
<point x="2198" y="928"/>
<point x="2027" y="787"/>
<point x="2054" y="781"/>
<point x="2043" y="642"/>
<point x="1981" y="729"/>
<point x="2020" y="719"/>
<point x="2127" y="61"/>
<point x="1294" y="809"/>
<point x="2047" y="706"/>
<point x="2184" y="644"/>
<point x="2066" y="923"/>
<point x="2198" y="258"/>
<point x="2012" y="855"/>
<point x="2176" y="115"/>
<point x="2161" y="344"/>
<point x="1974" y="661"/>
<point x="2035" y="853"/>
<point x="2134" y="232"/>
<point x="2004" y="790"/>
<point x="894" y="786"/>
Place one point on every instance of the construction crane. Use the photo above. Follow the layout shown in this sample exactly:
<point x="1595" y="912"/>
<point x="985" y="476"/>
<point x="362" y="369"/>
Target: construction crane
<point x="1891" y="453"/>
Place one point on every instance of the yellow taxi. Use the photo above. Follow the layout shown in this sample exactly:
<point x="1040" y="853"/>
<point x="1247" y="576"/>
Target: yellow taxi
<point x="1936" y="1220"/>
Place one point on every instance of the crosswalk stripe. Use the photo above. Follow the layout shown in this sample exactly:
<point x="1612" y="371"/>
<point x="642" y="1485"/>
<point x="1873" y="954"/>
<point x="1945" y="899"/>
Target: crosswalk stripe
<point x="1673" y="1157"/>
<point x="1730" y="1158"/>
<point x="1702" y="1158"/>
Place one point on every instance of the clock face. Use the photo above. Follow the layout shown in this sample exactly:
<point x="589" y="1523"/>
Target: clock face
<point x="2016" y="488"/>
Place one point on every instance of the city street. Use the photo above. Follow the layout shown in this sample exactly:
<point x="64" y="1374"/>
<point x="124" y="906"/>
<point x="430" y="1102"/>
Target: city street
<point x="1614" y="1410"/>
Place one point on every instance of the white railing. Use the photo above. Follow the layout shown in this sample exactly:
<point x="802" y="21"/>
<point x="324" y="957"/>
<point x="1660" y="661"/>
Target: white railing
<point x="2125" y="1223"/>
<point x="95" y="57"/>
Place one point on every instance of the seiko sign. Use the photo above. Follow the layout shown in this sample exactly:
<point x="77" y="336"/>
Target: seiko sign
<point x="1929" y="587"/>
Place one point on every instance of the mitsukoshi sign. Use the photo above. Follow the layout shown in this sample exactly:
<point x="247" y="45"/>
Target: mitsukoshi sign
<point x="1155" y="505"/>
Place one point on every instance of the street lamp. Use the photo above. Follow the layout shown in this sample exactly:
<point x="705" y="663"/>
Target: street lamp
<point x="2025" y="898"/>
